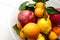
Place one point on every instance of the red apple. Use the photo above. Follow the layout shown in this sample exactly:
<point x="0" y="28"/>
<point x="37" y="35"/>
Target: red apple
<point x="55" y="18"/>
<point x="26" y="16"/>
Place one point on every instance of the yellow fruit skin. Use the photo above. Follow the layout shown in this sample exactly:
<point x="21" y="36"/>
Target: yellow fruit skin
<point x="22" y="35"/>
<point x="40" y="37"/>
<point x="45" y="25"/>
<point x="39" y="12"/>
<point x="31" y="30"/>
<point x="52" y="35"/>
<point x="40" y="5"/>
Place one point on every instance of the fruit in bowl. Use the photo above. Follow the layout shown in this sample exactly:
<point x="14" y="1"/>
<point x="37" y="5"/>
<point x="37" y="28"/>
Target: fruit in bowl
<point x="26" y="16"/>
<point x="45" y="25"/>
<point x="52" y="35"/>
<point x="35" y="21"/>
<point x="55" y="18"/>
<point x="31" y="30"/>
<point x="56" y="29"/>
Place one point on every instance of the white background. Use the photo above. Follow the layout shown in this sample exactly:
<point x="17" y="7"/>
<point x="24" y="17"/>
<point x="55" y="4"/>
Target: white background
<point x="6" y="8"/>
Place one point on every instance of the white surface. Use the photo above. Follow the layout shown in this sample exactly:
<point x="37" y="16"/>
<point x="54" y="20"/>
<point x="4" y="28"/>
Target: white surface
<point x="7" y="7"/>
<point x="58" y="1"/>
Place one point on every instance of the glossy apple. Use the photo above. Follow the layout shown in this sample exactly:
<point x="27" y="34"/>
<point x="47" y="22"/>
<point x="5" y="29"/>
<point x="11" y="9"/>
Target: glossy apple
<point x="55" y="18"/>
<point x="26" y="16"/>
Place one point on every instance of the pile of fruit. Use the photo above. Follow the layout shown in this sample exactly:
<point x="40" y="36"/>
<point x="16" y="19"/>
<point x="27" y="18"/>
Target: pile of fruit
<point x="38" y="22"/>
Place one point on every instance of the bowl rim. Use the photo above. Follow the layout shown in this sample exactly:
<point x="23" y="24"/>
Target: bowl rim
<point x="12" y="33"/>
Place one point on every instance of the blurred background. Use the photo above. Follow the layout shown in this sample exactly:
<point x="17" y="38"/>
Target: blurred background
<point x="6" y="8"/>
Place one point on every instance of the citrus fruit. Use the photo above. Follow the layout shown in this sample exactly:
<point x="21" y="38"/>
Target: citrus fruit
<point x="45" y="25"/>
<point x="31" y="30"/>
<point x="52" y="39"/>
<point x="56" y="29"/>
<point x="19" y="26"/>
<point x="40" y="37"/>
<point x="40" y="5"/>
<point x="52" y="35"/>
<point x="39" y="12"/>
<point x="22" y="35"/>
<point x="30" y="39"/>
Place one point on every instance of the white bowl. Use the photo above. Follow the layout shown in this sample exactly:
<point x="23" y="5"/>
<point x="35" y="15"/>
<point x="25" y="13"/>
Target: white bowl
<point x="13" y="19"/>
<point x="58" y="1"/>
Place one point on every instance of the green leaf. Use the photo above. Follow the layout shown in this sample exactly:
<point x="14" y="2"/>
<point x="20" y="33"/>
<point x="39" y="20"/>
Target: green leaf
<point x="23" y="5"/>
<point x="51" y="10"/>
<point x="45" y="1"/>
<point x="31" y="5"/>
<point x="30" y="8"/>
<point x="40" y="0"/>
<point x="16" y="29"/>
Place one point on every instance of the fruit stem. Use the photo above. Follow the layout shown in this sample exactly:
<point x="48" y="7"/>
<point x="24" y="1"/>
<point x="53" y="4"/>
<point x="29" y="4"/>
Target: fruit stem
<point x="45" y="12"/>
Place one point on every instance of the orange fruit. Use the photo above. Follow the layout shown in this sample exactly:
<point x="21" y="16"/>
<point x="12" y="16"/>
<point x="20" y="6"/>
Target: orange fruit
<point x="31" y="30"/>
<point x="34" y="6"/>
<point x="40" y="5"/>
<point x="22" y="35"/>
<point x="56" y="29"/>
<point x="30" y="39"/>
<point x="39" y="12"/>
<point x="52" y="35"/>
<point x="19" y="26"/>
<point x="45" y="25"/>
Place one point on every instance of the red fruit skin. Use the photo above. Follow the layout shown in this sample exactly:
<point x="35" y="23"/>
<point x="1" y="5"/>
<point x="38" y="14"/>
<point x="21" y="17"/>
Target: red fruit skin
<point x="26" y="16"/>
<point x="55" y="18"/>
